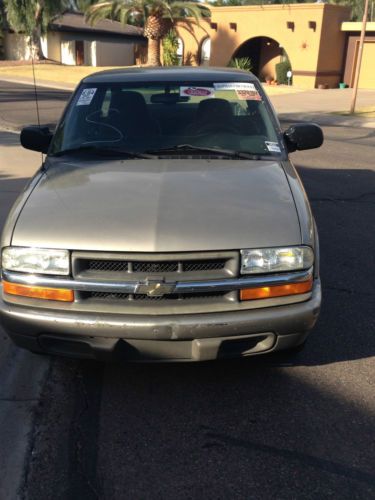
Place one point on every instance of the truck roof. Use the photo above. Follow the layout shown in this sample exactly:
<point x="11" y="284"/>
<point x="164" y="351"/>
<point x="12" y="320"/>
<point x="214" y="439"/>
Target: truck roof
<point x="170" y="74"/>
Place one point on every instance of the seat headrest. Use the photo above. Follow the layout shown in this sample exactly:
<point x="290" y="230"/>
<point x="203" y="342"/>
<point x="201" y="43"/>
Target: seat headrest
<point x="214" y="110"/>
<point x="129" y="101"/>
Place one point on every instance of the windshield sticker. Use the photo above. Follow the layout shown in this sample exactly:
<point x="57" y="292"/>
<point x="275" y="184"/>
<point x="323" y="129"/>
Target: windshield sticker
<point x="234" y="86"/>
<point x="273" y="147"/>
<point x="248" y="95"/>
<point x="197" y="91"/>
<point x="86" y="97"/>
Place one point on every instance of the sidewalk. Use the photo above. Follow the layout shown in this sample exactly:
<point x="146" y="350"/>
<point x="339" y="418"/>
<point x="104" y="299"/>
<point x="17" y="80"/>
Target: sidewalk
<point x="320" y="106"/>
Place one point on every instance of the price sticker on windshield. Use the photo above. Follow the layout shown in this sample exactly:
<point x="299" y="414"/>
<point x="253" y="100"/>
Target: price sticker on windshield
<point x="273" y="147"/>
<point x="245" y="91"/>
<point x="197" y="91"/>
<point x="235" y="86"/>
<point x="86" y="97"/>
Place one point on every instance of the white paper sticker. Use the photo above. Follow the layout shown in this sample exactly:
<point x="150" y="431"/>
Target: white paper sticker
<point x="273" y="147"/>
<point x="234" y="86"/>
<point x="197" y="91"/>
<point x="86" y="97"/>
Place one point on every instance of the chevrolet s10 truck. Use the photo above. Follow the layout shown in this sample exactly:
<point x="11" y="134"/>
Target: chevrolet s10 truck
<point x="166" y="223"/>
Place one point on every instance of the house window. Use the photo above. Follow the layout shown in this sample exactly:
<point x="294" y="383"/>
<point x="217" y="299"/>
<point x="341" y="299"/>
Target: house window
<point x="205" y="52"/>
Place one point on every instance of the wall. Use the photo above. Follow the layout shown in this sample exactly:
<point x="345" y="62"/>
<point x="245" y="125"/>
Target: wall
<point x="54" y="46"/>
<point x="302" y="40"/>
<point x="68" y="52"/>
<point x="16" y="47"/>
<point x="332" y="47"/>
<point x="351" y="53"/>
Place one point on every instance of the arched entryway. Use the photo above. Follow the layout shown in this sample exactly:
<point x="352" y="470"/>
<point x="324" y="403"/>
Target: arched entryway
<point x="264" y="53"/>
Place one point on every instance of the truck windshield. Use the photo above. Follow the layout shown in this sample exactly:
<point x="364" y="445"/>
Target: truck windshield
<point x="142" y="118"/>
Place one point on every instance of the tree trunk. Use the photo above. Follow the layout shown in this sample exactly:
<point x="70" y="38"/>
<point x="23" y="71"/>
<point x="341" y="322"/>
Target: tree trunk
<point x="36" y="34"/>
<point x="153" y="52"/>
<point x="36" y="44"/>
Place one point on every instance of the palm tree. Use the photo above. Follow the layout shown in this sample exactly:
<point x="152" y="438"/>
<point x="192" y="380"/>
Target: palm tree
<point x="156" y="17"/>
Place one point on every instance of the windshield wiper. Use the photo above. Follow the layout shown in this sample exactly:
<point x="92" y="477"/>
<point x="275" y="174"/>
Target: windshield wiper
<point x="103" y="151"/>
<point x="231" y="153"/>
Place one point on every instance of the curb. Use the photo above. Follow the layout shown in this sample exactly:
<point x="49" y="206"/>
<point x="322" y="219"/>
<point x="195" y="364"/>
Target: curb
<point x="39" y="83"/>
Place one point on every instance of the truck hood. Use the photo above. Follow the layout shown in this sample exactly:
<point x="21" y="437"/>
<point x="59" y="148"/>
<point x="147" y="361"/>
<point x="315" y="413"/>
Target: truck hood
<point x="159" y="206"/>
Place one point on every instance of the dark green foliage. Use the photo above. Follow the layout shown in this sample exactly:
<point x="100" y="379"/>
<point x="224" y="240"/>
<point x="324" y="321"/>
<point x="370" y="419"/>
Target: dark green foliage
<point x="26" y="15"/>
<point x="170" y="46"/>
<point x="241" y="63"/>
<point x="281" y="70"/>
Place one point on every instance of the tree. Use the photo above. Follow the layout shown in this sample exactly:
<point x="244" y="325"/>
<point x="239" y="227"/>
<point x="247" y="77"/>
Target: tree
<point x="157" y="17"/>
<point x="31" y="17"/>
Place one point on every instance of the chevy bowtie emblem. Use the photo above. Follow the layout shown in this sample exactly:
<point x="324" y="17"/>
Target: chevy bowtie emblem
<point x="155" y="288"/>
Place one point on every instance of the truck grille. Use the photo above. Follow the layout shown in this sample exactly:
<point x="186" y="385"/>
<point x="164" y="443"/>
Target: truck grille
<point x="183" y="267"/>
<point x="189" y="266"/>
<point x="142" y="297"/>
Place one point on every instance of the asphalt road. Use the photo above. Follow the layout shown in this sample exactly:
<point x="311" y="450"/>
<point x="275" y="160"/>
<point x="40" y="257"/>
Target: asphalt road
<point x="282" y="428"/>
<point x="17" y="105"/>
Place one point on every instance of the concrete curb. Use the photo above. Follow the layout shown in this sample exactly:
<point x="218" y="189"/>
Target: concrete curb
<point x="39" y="83"/>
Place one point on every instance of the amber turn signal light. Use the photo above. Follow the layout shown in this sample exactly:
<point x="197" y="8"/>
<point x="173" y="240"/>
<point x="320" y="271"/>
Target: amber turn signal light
<point x="268" y="292"/>
<point x="38" y="292"/>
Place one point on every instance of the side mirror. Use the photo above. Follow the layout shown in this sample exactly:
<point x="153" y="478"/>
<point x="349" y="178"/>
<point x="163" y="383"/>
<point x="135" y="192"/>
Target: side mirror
<point x="36" y="138"/>
<point x="303" y="136"/>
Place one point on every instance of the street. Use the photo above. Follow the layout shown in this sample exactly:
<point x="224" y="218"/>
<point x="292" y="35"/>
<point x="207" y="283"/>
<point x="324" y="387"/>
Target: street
<point x="272" y="427"/>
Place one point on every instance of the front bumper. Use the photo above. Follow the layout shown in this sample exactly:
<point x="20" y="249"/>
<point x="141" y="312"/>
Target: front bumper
<point x="190" y="337"/>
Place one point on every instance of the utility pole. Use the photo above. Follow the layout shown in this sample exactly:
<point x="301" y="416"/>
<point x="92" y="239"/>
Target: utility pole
<point x="359" y="58"/>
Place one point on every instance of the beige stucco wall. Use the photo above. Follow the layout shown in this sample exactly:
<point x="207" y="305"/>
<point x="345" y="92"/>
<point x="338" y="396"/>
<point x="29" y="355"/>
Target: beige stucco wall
<point x="54" y="46"/>
<point x="68" y="52"/>
<point x="16" y="47"/>
<point x="303" y="43"/>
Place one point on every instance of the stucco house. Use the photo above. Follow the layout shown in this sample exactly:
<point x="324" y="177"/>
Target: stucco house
<point x="70" y="40"/>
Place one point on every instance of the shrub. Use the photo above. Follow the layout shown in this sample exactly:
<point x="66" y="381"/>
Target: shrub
<point x="170" y="46"/>
<point x="241" y="63"/>
<point x="282" y="69"/>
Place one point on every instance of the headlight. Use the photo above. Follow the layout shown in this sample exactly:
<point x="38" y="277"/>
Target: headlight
<point x="36" y="260"/>
<point x="271" y="260"/>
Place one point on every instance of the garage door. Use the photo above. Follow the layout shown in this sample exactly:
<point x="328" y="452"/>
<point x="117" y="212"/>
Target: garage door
<point x="367" y="76"/>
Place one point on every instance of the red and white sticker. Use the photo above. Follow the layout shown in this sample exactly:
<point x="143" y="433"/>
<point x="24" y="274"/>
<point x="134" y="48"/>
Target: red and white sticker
<point x="197" y="91"/>
<point x="248" y="95"/>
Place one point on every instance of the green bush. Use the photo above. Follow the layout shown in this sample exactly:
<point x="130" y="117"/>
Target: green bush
<point x="170" y="46"/>
<point x="241" y="63"/>
<point x="282" y="69"/>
